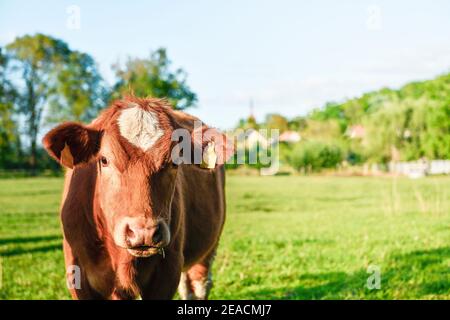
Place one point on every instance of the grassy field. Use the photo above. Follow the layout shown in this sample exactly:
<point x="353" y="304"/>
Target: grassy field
<point x="285" y="238"/>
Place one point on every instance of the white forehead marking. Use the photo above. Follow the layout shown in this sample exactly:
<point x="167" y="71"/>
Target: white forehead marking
<point x="140" y="127"/>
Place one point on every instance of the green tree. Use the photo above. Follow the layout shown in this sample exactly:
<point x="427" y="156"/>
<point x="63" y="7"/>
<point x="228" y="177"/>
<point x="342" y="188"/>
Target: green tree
<point x="81" y="90"/>
<point x="35" y="59"/>
<point x="276" y="121"/>
<point x="331" y="110"/>
<point x="313" y="156"/>
<point x="409" y="123"/>
<point x="9" y="137"/>
<point x="297" y="123"/>
<point x="154" y="77"/>
<point x="436" y="139"/>
<point x="325" y="130"/>
<point x="384" y="130"/>
<point x="47" y="73"/>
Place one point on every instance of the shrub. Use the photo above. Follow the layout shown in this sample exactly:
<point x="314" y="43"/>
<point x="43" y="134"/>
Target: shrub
<point x="315" y="156"/>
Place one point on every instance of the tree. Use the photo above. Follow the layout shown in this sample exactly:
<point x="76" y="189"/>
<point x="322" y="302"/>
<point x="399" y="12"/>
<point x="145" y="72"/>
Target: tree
<point x="322" y="130"/>
<point x="414" y="128"/>
<point x="9" y="138"/>
<point x="297" y="123"/>
<point x="47" y="73"/>
<point x="154" y="77"/>
<point x="81" y="91"/>
<point x="276" y="121"/>
<point x="35" y="59"/>
<point x="331" y="110"/>
<point x="312" y="156"/>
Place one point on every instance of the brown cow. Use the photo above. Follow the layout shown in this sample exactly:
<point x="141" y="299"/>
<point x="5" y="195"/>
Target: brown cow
<point x="135" y="223"/>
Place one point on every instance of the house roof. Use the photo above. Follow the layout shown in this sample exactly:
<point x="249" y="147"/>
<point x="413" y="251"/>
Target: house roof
<point x="290" y="136"/>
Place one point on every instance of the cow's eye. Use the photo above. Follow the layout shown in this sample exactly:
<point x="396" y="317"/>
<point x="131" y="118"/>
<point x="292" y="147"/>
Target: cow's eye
<point x="104" y="161"/>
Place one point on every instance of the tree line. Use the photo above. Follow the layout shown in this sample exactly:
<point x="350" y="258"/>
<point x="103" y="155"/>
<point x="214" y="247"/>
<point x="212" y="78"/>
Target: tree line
<point x="43" y="81"/>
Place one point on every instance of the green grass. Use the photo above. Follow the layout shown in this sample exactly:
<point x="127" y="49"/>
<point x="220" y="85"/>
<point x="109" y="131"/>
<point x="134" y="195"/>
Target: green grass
<point x="285" y="238"/>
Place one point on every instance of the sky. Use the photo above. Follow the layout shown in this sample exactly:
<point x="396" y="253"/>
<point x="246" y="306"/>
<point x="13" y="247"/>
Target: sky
<point x="288" y="57"/>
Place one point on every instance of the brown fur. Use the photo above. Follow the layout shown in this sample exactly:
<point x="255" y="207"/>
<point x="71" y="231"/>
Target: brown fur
<point x="190" y="199"/>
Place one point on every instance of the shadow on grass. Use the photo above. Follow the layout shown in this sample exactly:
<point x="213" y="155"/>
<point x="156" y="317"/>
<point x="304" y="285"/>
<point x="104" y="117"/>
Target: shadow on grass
<point x="25" y="241"/>
<point x="33" y="239"/>
<point x="418" y="273"/>
<point x="20" y="250"/>
<point x="31" y="193"/>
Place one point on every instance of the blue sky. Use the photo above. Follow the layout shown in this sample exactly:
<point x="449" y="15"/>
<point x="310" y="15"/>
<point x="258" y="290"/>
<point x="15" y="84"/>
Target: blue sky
<point x="288" y="56"/>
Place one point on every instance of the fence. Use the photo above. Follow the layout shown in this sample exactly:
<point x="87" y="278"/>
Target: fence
<point x="420" y="168"/>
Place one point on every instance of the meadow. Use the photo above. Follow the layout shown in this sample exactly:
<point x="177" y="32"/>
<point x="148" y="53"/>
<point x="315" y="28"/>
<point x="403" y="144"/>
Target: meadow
<point x="286" y="237"/>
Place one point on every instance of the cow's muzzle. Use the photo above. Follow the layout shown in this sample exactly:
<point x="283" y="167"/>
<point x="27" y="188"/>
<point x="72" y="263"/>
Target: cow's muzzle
<point x="142" y="238"/>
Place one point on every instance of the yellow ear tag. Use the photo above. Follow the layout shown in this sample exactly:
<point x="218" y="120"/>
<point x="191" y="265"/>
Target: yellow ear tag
<point x="209" y="157"/>
<point x="66" y="157"/>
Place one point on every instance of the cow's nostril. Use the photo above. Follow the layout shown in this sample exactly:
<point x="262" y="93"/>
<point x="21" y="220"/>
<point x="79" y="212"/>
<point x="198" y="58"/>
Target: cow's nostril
<point x="130" y="235"/>
<point x="157" y="235"/>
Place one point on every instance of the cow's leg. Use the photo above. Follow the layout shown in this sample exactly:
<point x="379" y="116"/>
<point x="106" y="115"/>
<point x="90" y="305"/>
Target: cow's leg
<point x="184" y="288"/>
<point x="199" y="278"/>
<point x="77" y="281"/>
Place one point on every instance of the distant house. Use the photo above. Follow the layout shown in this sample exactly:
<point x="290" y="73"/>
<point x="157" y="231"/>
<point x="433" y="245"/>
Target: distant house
<point x="290" y="137"/>
<point x="356" y="132"/>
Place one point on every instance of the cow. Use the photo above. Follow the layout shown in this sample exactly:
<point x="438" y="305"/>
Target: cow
<point x="136" y="223"/>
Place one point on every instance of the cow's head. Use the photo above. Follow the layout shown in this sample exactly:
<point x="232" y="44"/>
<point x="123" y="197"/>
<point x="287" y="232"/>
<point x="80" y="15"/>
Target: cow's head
<point x="131" y="145"/>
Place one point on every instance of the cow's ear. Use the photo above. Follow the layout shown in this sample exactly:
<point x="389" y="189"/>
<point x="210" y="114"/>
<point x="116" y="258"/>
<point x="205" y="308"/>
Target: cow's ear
<point x="72" y="143"/>
<point x="216" y="147"/>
